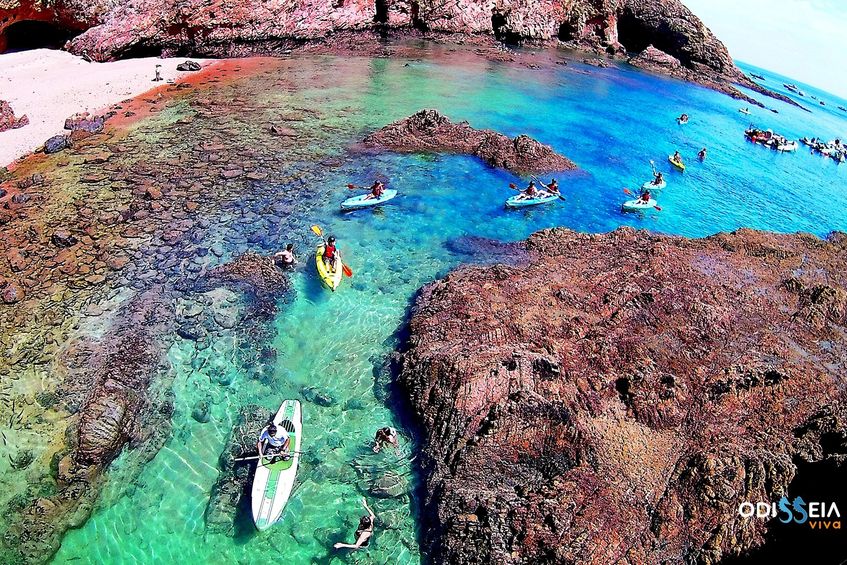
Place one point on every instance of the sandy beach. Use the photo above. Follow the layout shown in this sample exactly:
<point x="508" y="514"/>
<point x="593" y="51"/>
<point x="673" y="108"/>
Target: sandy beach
<point x="49" y="86"/>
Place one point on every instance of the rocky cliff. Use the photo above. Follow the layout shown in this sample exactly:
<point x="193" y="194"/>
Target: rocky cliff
<point x="614" y="400"/>
<point x="113" y="29"/>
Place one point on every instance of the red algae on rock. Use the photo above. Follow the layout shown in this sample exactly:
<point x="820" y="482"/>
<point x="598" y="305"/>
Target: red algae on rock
<point x="617" y="398"/>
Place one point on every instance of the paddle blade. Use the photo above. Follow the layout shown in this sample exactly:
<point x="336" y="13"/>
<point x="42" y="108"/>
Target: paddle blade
<point x="351" y="186"/>
<point x="346" y="270"/>
<point x="627" y="191"/>
<point x="317" y="230"/>
<point x="512" y="186"/>
<point x="659" y="208"/>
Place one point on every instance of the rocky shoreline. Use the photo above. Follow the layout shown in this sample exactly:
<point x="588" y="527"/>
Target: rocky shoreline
<point x="624" y="29"/>
<point x="620" y="395"/>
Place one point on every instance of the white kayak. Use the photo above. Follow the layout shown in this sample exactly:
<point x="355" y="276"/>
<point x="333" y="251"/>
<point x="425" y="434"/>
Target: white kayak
<point x="638" y="205"/>
<point x="650" y="186"/>
<point x="522" y="200"/>
<point x="362" y="201"/>
<point x="272" y="482"/>
<point x="745" y="111"/>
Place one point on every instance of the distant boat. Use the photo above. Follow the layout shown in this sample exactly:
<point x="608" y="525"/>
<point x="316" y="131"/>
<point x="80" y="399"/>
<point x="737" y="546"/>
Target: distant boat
<point x="823" y="103"/>
<point x="754" y="75"/>
<point x="801" y="93"/>
<point x="791" y="87"/>
<point x="842" y="108"/>
<point x="744" y="111"/>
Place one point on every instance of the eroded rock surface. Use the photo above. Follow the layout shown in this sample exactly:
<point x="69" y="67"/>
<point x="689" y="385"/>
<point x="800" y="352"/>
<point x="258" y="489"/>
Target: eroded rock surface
<point x="8" y="119"/>
<point x="617" y="398"/>
<point x="429" y="131"/>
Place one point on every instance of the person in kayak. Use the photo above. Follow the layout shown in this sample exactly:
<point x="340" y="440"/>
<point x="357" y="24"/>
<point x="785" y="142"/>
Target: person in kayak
<point x="530" y="191"/>
<point x="677" y="157"/>
<point x="552" y="188"/>
<point x="683" y="119"/>
<point x="658" y="178"/>
<point x="274" y="441"/>
<point x="645" y="196"/>
<point x="702" y="154"/>
<point x="330" y="255"/>
<point x="386" y="436"/>
<point x="286" y="259"/>
<point x="364" y="532"/>
<point x="377" y="189"/>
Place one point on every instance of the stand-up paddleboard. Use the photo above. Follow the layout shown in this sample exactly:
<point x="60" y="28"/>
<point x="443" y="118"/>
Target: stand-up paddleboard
<point x="272" y="482"/>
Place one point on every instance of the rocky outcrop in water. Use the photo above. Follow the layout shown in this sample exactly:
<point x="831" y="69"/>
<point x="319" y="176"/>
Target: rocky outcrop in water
<point x="428" y="131"/>
<point x="8" y="119"/>
<point x="617" y="398"/>
<point x="114" y="29"/>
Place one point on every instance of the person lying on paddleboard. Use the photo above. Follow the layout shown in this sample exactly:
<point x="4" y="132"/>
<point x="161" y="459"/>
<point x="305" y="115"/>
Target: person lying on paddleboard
<point x="273" y="441"/>
<point x="364" y="532"/>
<point x="658" y="178"/>
<point x="286" y="259"/>
<point x="331" y="253"/>
<point x="377" y="189"/>
<point x="386" y="436"/>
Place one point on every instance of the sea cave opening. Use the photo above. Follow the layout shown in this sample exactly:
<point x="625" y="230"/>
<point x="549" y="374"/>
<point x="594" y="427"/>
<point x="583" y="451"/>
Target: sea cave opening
<point x="636" y="36"/>
<point x="33" y="34"/>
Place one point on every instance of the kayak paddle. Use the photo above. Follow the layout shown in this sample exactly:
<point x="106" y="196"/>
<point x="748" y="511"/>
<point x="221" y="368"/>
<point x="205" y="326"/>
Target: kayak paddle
<point x="355" y="187"/>
<point x="254" y="457"/>
<point x="346" y="270"/>
<point x="317" y="230"/>
<point x="628" y="191"/>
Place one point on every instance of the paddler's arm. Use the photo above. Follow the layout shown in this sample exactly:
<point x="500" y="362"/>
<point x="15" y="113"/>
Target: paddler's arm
<point x="368" y="508"/>
<point x="261" y="452"/>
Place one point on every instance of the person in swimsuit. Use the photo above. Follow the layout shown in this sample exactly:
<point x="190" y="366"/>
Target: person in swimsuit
<point x="364" y="532"/>
<point x="385" y="436"/>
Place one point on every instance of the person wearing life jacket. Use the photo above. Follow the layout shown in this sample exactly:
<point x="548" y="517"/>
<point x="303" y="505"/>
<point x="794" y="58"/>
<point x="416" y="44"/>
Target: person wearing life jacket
<point x="330" y="255"/>
<point x="645" y="196"/>
<point x="530" y="191"/>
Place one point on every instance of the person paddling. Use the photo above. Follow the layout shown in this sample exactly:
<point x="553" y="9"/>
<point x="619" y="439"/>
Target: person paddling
<point x="677" y="157"/>
<point x="645" y="196"/>
<point x="377" y="189"/>
<point x="530" y="191"/>
<point x="658" y="178"/>
<point x="552" y="188"/>
<point x="274" y="441"/>
<point x="364" y="532"/>
<point x="331" y="253"/>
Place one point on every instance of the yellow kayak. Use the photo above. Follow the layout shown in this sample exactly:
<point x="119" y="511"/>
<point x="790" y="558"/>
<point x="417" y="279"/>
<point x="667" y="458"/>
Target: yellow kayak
<point x="330" y="278"/>
<point x="678" y="164"/>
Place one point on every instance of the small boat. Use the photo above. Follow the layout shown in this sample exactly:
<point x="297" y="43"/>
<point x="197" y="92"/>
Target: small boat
<point x="822" y="103"/>
<point x="842" y="108"/>
<point x="791" y="87"/>
<point x="274" y="480"/>
<point x="649" y="185"/>
<point x="638" y="205"/>
<point x="678" y="164"/>
<point x="754" y="75"/>
<point x="522" y="200"/>
<point x="801" y="93"/>
<point x="331" y="279"/>
<point x="362" y="201"/>
<point x="744" y="111"/>
<point x="786" y="146"/>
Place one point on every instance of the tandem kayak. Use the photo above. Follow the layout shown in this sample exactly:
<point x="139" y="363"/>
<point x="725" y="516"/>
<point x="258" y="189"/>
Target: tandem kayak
<point x="331" y="279"/>
<point x="678" y="164"/>
<point x="638" y="205"/>
<point x="273" y="481"/>
<point x="522" y="200"/>
<point x="649" y="185"/>
<point x="362" y="201"/>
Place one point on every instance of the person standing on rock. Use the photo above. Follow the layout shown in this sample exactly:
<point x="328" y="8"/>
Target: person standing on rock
<point x="386" y="436"/>
<point x="364" y="532"/>
<point x="273" y="441"/>
<point x="286" y="258"/>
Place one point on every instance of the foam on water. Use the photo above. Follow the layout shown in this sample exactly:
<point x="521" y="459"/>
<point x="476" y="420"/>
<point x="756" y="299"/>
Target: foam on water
<point x="611" y="122"/>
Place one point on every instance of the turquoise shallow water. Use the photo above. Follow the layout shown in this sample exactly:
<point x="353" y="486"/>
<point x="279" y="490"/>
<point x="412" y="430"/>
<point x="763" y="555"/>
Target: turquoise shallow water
<point x="612" y="122"/>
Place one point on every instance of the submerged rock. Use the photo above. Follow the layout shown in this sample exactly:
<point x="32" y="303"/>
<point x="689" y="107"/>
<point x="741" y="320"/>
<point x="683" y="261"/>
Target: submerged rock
<point x="626" y="386"/>
<point x="430" y="131"/>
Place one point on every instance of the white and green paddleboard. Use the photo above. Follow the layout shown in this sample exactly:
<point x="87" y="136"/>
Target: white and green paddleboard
<point x="273" y="482"/>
